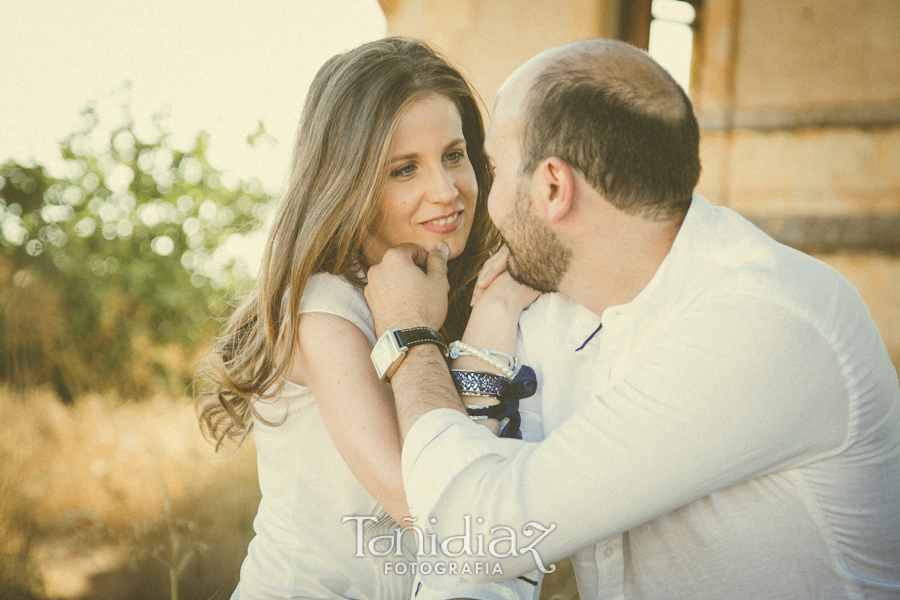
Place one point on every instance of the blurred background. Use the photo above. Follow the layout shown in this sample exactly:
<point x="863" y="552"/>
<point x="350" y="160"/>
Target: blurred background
<point x="141" y="144"/>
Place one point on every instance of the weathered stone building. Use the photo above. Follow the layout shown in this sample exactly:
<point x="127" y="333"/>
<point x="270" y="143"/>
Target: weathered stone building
<point x="799" y="104"/>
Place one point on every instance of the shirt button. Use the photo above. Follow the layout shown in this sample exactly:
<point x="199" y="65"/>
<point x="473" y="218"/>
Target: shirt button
<point x="608" y="552"/>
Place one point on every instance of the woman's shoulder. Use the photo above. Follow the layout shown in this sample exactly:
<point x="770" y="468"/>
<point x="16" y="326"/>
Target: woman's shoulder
<point x="331" y="284"/>
<point x="335" y="295"/>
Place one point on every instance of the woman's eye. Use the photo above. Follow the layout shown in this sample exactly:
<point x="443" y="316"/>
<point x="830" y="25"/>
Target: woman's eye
<point x="455" y="156"/>
<point x="404" y="171"/>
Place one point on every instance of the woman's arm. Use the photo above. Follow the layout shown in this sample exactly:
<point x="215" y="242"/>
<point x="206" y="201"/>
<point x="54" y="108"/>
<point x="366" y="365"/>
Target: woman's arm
<point x="494" y="321"/>
<point x="332" y="358"/>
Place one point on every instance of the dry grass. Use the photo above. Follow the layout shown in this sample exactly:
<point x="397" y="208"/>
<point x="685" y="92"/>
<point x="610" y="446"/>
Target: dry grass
<point x="94" y="495"/>
<point x="106" y="500"/>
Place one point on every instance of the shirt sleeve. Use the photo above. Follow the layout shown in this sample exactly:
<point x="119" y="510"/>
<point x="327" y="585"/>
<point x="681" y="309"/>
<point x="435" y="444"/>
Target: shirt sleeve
<point x="735" y="389"/>
<point x="435" y="586"/>
<point x="334" y="295"/>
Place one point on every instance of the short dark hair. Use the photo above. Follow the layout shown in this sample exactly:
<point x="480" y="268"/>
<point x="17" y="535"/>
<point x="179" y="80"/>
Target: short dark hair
<point x="643" y="159"/>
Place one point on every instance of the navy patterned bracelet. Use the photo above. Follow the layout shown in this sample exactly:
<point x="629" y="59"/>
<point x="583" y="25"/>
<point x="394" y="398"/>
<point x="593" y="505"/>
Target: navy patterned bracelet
<point x="480" y="384"/>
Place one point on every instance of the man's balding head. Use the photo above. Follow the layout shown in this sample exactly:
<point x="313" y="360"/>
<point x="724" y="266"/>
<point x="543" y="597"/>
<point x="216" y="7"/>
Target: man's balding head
<point x="610" y="111"/>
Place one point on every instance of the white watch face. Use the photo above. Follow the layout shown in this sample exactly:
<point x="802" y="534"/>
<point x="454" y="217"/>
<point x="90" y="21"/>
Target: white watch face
<point x="386" y="355"/>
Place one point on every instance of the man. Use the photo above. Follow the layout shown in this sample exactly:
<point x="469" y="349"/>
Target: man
<point x="721" y="418"/>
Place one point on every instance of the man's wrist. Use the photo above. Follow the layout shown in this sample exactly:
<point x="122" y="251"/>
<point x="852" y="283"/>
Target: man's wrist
<point x="425" y="361"/>
<point x="421" y="384"/>
<point x="393" y="345"/>
<point x="382" y="325"/>
<point x="421" y="353"/>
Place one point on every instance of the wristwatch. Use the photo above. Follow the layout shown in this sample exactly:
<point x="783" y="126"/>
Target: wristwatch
<point x="390" y="350"/>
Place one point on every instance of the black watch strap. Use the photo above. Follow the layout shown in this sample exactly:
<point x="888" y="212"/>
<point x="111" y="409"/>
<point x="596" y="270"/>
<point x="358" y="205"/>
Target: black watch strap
<point x="421" y="335"/>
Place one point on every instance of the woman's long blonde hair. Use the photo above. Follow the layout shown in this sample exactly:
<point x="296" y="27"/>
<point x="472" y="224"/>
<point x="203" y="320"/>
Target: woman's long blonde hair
<point x="339" y="168"/>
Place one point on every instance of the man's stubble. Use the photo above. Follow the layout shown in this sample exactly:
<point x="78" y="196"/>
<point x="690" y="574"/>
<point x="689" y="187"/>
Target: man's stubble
<point x="537" y="257"/>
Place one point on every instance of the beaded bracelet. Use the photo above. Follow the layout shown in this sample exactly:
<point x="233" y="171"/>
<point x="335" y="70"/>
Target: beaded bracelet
<point x="487" y="356"/>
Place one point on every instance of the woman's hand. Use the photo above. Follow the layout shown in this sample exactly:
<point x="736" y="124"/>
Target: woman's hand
<point x="495" y="282"/>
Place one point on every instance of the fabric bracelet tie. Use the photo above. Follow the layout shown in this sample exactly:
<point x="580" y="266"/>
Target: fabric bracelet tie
<point x="523" y="385"/>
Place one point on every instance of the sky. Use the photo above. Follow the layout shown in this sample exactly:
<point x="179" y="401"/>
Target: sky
<point x="217" y="65"/>
<point x="222" y="66"/>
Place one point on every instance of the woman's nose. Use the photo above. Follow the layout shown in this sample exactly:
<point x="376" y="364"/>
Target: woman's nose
<point x="442" y="189"/>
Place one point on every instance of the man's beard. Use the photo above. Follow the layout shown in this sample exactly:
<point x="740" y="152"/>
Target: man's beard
<point x="537" y="257"/>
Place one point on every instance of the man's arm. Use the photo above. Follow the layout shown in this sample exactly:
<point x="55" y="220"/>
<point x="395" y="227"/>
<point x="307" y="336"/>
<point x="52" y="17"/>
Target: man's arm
<point x="699" y="412"/>
<point x="401" y="295"/>
<point x="724" y="396"/>
<point x="422" y="384"/>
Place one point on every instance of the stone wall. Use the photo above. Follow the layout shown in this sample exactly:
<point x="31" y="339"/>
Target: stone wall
<point x="799" y="104"/>
<point x="489" y="39"/>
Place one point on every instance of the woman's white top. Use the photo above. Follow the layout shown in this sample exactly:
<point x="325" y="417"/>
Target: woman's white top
<point x="304" y="546"/>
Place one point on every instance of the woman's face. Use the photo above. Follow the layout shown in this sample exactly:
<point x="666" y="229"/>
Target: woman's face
<point x="430" y="192"/>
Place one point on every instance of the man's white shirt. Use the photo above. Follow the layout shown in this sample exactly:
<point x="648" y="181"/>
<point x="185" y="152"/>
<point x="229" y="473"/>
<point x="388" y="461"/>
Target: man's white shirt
<point x="733" y="432"/>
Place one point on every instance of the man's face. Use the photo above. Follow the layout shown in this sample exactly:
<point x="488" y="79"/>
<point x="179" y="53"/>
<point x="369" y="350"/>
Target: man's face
<point x="538" y="258"/>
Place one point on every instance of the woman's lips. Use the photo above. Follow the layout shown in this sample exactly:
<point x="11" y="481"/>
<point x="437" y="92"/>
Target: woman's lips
<point x="444" y="224"/>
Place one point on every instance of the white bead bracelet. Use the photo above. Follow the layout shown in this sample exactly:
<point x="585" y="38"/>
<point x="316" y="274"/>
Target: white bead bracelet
<point x="486" y="356"/>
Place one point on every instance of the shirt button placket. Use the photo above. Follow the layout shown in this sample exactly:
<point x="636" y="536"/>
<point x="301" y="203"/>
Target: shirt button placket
<point x="611" y="569"/>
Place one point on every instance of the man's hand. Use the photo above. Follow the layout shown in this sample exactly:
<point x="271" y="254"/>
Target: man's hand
<point x="401" y="295"/>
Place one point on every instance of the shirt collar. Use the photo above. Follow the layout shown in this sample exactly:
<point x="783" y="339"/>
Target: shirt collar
<point x="680" y="264"/>
<point x="674" y="273"/>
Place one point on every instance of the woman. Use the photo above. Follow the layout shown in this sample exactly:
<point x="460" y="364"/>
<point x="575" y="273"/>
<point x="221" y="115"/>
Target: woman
<point x="389" y="151"/>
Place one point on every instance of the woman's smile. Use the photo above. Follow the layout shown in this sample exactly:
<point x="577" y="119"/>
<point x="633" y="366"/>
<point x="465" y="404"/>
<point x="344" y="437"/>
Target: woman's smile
<point x="444" y="224"/>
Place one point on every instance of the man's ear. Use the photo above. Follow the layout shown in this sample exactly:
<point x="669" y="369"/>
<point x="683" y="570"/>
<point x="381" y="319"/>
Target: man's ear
<point x="557" y="187"/>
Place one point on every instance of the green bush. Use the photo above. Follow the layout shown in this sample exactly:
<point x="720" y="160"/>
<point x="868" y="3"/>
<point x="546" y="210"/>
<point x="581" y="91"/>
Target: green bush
<point x="112" y="275"/>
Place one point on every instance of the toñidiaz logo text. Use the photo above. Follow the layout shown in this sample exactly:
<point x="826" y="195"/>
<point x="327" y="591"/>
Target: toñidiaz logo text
<point x="503" y="542"/>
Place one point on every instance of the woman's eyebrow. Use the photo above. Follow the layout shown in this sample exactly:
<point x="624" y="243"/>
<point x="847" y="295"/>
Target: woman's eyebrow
<point x="412" y="155"/>
<point x="404" y="157"/>
<point x="455" y="142"/>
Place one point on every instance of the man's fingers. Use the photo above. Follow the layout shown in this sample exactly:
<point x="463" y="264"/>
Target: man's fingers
<point x="437" y="261"/>
<point x="416" y="253"/>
